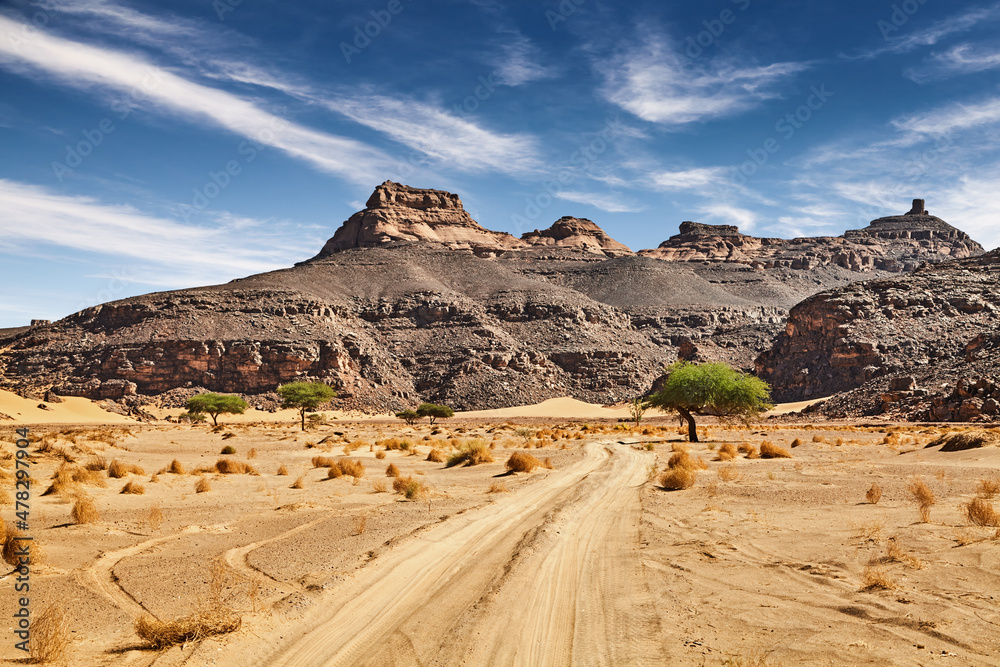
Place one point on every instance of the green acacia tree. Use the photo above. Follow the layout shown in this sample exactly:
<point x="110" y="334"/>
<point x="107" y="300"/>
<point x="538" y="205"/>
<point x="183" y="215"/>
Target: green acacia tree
<point x="409" y="416"/>
<point x="304" y="397"/>
<point x="636" y="409"/>
<point x="432" y="411"/>
<point x="711" y="389"/>
<point x="213" y="405"/>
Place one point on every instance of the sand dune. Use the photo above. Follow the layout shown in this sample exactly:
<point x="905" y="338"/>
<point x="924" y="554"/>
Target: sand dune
<point x="72" y="410"/>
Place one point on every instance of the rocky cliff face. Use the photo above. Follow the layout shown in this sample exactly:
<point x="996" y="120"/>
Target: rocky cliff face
<point x="412" y="300"/>
<point x="938" y="326"/>
<point x="894" y="244"/>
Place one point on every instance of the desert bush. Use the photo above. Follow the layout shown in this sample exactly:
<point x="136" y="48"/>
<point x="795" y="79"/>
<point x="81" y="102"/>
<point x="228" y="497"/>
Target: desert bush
<point x="233" y="467"/>
<point x="727" y="452"/>
<point x="96" y="463"/>
<point x="352" y="468"/>
<point x="548" y="463"/>
<point x="50" y="636"/>
<point x="202" y="485"/>
<point x="522" y="462"/>
<point x="470" y="453"/>
<point x="874" y="493"/>
<point x="334" y="472"/>
<point x="988" y="488"/>
<point x="85" y="511"/>
<point x="379" y="486"/>
<point x="728" y="473"/>
<point x="819" y="438"/>
<point x="980" y="512"/>
<point x="323" y="461"/>
<point x="154" y="517"/>
<point x="13" y="545"/>
<point x="748" y="450"/>
<point x="298" y="483"/>
<point x="176" y="468"/>
<point x="680" y="477"/>
<point x="498" y="487"/>
<point x="409" y="487"/>
<point x="392" y="470"/>
<point x="206" y="623"/>
<point x="958" y="441"/>
<point x="252" y="454"/>
<point x="435" y="456"/>
<point x="796" y="443"/>
<point x="768" y="450"/>
<point x="875" y="578"/>
<point x="282" y="470"/>
<point x="117" y="469"/>
<point x="133" y="488"/>
<point x="380" y="455"/>
<point x="924" y="498"/>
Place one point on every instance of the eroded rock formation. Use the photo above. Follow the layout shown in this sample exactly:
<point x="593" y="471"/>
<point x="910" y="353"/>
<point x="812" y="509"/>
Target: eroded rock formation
<point x="580" y="233"/>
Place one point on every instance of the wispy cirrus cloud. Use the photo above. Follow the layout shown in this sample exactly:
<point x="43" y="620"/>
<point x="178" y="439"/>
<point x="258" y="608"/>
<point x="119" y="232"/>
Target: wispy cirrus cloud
<point x="519" y="62"/>
<point x="958" y="60"/>
<point x="165" y="252"/>
<point x="911" y="38"/>
<point x="700" y="179"/>
<point x="118" y="73"/>
<point x="650" y="81"/>
<point x="954" y="117"/>
<point x="605" y="202"/>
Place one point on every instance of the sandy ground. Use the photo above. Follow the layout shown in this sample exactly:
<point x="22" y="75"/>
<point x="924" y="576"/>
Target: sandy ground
<point x="591" y="562"/>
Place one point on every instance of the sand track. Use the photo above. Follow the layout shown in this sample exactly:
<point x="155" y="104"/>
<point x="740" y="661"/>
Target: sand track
<point x="548" y="576"/>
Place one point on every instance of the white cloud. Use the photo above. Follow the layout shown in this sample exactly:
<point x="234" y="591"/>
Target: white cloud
<point x="167" y="252"/>
<point x="609" y="203"/>
<point x="519" y="63"/>
<point x="909" y="37"/>
<point x="136" y="81"/>
<point x="655" y="84"/>
<point x="725" y="214"/>
<point x="440" y="134"/>
<point x="700" y="179"/>
<point x="950" y="118"/>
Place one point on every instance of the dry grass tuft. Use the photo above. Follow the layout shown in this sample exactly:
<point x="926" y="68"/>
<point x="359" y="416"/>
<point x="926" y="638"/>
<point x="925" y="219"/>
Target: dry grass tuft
<point x="749" y="450"/>
<point x="728" y="473"/>
<point x="522" y="462"/>
<point x="769" y="450"/>
<point x="379" y="486"/>
<point x="874" y="493"/>
<point x="391" y="470"/>
<point x="176" y="467"/>
<point x="155" y="517"/>
<point x="409" y="487"/>
<point x="298" y="483"/>
<point x="50" y="636"/>
<point x="96" y="463"/>
<point x="924" y="498"/>
<point x="360" y="523"/>
<point x="252" y="454"/>
<point x="228" y="450"/>
<point x="818" y="438"/>
<point x="875" y="578"/>
<point x="14" y="545"/>
<point x="678" y="478"/>
<point x="727" y="452"/>
<point x="980" y="512"/>
<point x="323" y="461"/>
<point x="470" y="453"/>
<point x="91" y="477"/>
<point x="988" y="488"/>
<point x="498" y="487"/>
<point x="352" y="468"/>
<point x="133" y="488"/>
<point x="117" y="469"/>
<point x="435" y="456"/>
<point x="548" y="463"/>
<point x="796" y="443"/>
<point x="207" y="623"/>
<point x="233" y="467"/>
<point x="956" y="442"/>
<point x="85" y="511"/>
<point x="282" y="470"/>
<point x="202" y="485"/>
<point x="380" y="454"/>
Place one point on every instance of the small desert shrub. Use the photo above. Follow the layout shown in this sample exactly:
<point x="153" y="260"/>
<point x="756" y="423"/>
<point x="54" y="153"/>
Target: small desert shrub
<point x="392" y="470"/>
<point x="380" y="454"/>
<point x="772" y="451"/>
<point x="352" y="468"/>
<point x="796" y="443"/>
<point x="202" y="485"/>
<point x="252" y="454"/>
<point x="678" y="478"/>
<point x="155" y="517"/>
<point x="956" y="442"/>
<point x="176" y="467"/>
<point x="874" y="578"/>
<point x="298" y="483"/>
<point x="117" y="469"/>
<point x="227" y="450"/>
<point x="980" y="512"/>
<point x="924" y="498"/>
<point x="85" y="511"/>
<point x="12" y="547"/>
<point x="727" y="452"/>
<point x="282" y="469"/>
<point x="988" y="488"/>
<point x="379" y="486"/>
<point x="334" y="471"/>
<point x="435" y="456"/>
<point x="360" y="523"/>
<point x="728" y="473"/>
<point x="548" y="463"/>
<point x="234" y="467"/>
<point x="50" y="636"/>
<point x="96" y="463"/>
<point x="874" y="493"/>
<point x="133" y="488"/>
<point x="323" y="461"/>
<point x="498" y="487"/>
<point x="161" y="634"/>
<point x="522" y="462"/>
<point x="818" y="438"/>
<point x="471" y="453"/>
<point x="409" y="487"/>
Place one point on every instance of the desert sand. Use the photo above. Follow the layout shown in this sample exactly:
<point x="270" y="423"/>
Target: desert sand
<point x="761" y="561"/>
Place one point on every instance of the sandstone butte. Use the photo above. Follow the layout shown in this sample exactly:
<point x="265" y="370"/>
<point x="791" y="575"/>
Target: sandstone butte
<point x="413" y="300"/>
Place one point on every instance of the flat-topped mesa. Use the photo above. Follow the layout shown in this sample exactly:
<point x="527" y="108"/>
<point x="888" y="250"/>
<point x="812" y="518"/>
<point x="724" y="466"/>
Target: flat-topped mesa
<point x="918" y="225"/>
<point x="398" y="214"/>
<point x="700" y="242"/>
<point x="577" y="233"/>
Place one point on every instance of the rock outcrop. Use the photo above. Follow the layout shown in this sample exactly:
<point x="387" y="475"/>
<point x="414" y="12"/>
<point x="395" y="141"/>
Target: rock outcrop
<point x="895" y="244"/>
<point x="939" y="325"/>
<point x="579" y="233"/>
<point x="396" y="214"/>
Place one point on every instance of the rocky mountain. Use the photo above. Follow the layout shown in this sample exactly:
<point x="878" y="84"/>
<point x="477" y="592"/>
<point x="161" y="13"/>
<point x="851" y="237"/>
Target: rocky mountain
<point x="925" y="345"/>
<point x="412" y="300"/>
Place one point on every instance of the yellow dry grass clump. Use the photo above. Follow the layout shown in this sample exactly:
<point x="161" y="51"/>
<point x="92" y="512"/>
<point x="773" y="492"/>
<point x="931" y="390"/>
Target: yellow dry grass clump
<point x="298" y="483"/>
<point x="16" y="546"/>
<point x="323" y="461"/>
<point x="768" y="450"/>
<point x="85" y="511"/>
<point x="282" y="470"/>
<point x="522" y="462"/>
<point x="206" y="623"/>
<point x="379" y="486"/>
<point x="91" y="477"/>
<point x="350" y="467"/>
<point x="728" y="473"/>
<point x="875" y="578"/>
<point x="988" y="488"/>
<point x="470" y="453"/>
<point x="50" y="636"/>
<point x="409" y="487"/>
<point x="956" y="442"/>
<point x="380" y="454"/>
<point x="874" y="493"/>
<point x="119" y="469"/>
<point x="228" y="466"/>
<point x="682" y="471"/>
<point x="749" y="450"/>
<point x="202" y="485"/>
<point x="980" y="512"/>
<point x="176" y="467"/>
<point x="435" y="456"/>
<point x="924" y="498"/>
<point x="133" y="488"/>
<point x="391" y="470"/>
<point x="727" y="452"/>
<point x="498" y="487"/>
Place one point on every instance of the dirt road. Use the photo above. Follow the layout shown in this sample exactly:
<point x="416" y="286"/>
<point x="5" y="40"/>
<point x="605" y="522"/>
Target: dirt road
<point x="550" y="575"/>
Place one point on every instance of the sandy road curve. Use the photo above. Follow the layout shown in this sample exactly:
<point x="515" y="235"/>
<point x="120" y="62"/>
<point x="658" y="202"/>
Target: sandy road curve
<point x="548" y="576"/>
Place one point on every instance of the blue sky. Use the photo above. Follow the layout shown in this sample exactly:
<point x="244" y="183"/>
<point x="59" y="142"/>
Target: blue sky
<point x="148" y="146"/>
